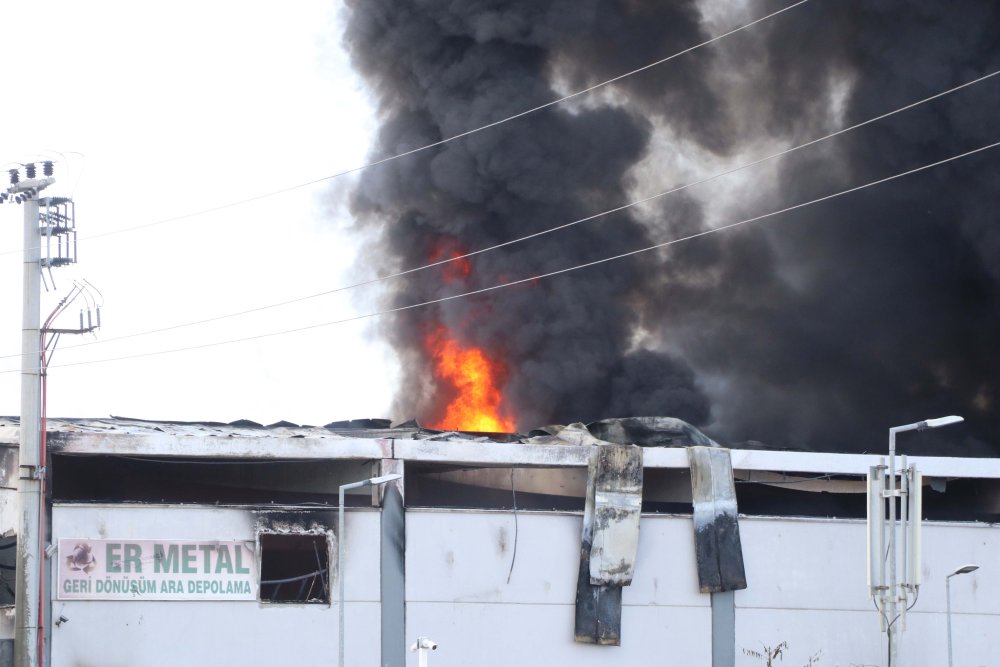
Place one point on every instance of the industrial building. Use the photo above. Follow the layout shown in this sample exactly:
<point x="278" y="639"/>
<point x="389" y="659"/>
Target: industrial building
<point x="190" y="543"/>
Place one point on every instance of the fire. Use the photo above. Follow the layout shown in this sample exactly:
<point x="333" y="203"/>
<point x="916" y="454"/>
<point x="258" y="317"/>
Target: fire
<point x="458" y="269"/>
<point x="475" y="378"/>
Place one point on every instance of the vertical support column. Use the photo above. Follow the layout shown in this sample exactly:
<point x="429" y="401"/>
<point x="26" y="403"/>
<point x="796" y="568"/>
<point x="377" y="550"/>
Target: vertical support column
<point x="393" y="568"/>
<point x="724" y="629"/>
<point x="29" y="483"/>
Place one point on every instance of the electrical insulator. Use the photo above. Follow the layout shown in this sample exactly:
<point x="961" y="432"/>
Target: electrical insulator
<point x="29" y="169"/>
<point x="47" y="167"/>
<point x="14" y="176"/>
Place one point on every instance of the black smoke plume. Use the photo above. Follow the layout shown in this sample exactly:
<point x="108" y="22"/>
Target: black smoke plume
<point x="817" y="330"/>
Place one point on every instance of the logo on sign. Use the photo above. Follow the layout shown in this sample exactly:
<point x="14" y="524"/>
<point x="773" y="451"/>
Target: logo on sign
<point x="81" y="559"/>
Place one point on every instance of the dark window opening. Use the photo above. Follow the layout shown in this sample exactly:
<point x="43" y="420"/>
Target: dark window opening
<point x="294" y="568"/>
<point x="8" y="556"/>
<point x="668" y="491"/>
<point x="201" y="481"/>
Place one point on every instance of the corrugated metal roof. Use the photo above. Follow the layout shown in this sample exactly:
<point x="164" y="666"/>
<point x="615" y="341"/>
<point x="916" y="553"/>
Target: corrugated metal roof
<point x="646" y="431"/>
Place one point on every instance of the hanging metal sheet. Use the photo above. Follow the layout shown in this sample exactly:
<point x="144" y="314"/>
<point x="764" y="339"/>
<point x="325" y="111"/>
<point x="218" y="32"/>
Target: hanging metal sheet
<point x="609" y="542"/>
<point x="718" y="550"/>
<point x="617" y="506"/>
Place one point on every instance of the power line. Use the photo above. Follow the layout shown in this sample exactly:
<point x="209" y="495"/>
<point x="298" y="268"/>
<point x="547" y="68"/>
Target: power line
<point x="526" y="112"/>
<point x="540" y="276"/>
<point x="539" y="233"/>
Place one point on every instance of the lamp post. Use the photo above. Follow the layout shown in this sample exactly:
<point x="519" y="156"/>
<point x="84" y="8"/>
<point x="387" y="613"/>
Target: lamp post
<point x="892" y="494"/>
<point x="421" y="646"/>
<point x="374" y="481"/>
<point x="965" y="569"/>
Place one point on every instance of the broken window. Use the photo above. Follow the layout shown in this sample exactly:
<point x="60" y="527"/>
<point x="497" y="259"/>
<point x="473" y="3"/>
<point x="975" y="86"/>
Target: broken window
<point x="294" y="568"/>
<point x="8" y="555"/>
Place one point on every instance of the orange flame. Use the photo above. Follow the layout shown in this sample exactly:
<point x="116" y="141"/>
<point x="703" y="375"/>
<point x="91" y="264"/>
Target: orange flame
<point x="459" y="269"/>
<point x="475" y="377"/>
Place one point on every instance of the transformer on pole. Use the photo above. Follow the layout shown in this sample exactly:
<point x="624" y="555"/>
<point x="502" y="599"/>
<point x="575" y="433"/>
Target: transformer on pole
<point x="51" y="219"/>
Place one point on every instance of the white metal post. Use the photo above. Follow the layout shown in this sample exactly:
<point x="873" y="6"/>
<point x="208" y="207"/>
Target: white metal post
<point x="422" y="646"/>
<point x="374" y="481"/>
<point x="947" y="588"/>
<point x="340" y="578"/>
<point x="965" y="569"/>
<point x="893" y="595"/>
<point x="892" y="549"/>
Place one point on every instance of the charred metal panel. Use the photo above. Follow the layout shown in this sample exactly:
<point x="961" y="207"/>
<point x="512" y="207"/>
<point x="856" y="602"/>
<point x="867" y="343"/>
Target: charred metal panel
<point x="718" y="550"/>
<point x="598" y="611"/>
<point x="614" y="477"/>
<point x="617" y="506"/>
<point x="650" y="432"/>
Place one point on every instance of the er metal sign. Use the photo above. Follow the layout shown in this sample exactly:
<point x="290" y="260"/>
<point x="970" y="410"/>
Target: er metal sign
<point x="156" y="570"/>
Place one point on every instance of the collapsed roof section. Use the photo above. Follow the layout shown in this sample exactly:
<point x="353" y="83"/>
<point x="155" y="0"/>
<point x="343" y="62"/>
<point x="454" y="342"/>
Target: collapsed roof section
<point x="134" y="460"/>
<point x="642" y="431"/>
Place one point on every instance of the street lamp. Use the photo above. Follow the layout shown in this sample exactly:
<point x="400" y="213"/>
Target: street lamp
<point x="892" y="494"/>
<point x="420" y="647"/>
<point x="374" y="481"/>
<point x="965" y="569"/>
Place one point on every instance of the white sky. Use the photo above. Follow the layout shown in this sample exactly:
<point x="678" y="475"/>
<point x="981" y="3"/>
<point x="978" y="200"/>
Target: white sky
<point x="179" y="107"/>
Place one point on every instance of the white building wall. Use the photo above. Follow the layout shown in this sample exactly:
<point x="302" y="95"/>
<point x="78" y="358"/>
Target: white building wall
<point x="457" y="592"/>
<point x="806" y="587"/>
<point x="131" y="633"/>
<point x="806" y="580"/>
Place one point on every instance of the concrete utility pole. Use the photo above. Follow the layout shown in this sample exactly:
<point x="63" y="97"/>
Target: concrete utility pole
<point x="30" y="468"/>
<point x="57" y="225"/>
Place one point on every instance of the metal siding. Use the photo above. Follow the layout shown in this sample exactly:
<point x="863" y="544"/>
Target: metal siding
<point x="128" y="633"/>
<point x="498" y="635"/>
<point x="808" y="588"/>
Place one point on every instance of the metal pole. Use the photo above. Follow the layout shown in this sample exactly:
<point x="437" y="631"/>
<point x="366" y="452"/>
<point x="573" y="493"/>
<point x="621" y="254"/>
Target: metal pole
<point x="892" y="549"/>
<point x="947" y="588"/>
<point x="894" y="591"/>
<point x="374" y="481"/>
<point x="392" y="577"/>
<point x="340" y="577"/>
<point x="422" y="646"/>
<point x="29" y="484"/>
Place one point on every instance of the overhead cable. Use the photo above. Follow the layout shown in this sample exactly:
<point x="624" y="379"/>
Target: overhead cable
<point x="441" y="142"/>
<point x="594" y="216"/>
<point x="540" y="276"/>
